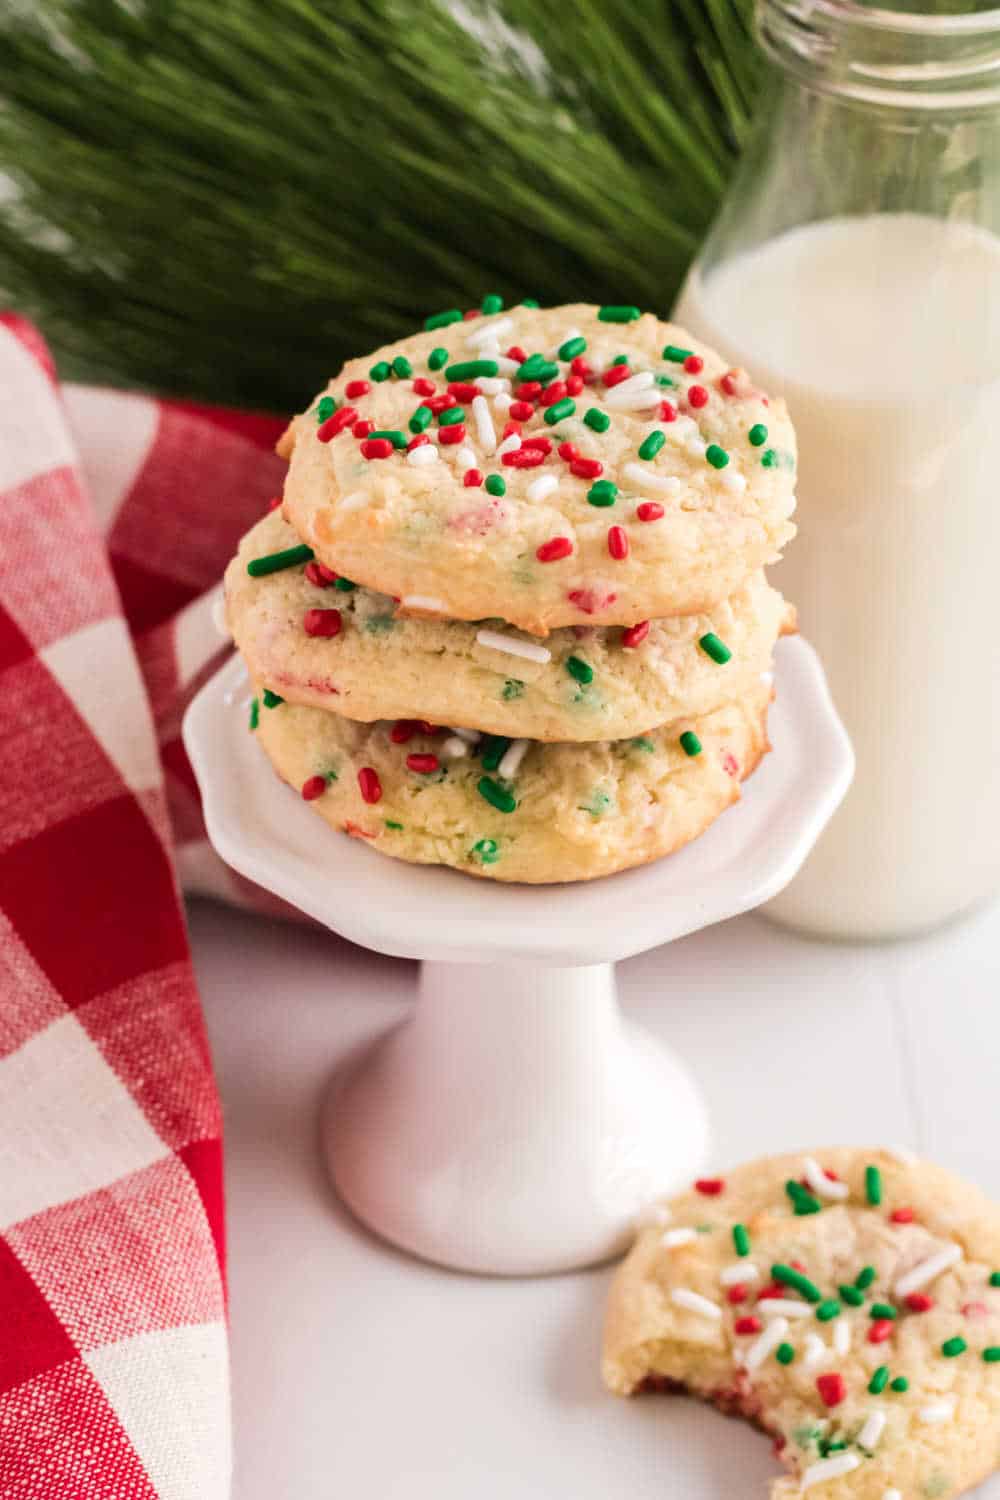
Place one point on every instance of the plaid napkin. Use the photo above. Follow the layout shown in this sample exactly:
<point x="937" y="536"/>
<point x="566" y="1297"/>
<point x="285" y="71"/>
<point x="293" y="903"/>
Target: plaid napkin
<point x="117" y="513"/>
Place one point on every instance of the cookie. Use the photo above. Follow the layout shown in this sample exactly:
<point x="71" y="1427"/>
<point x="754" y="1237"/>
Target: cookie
<point x="515" y="810"/>
<point x="582" y="684"/>
<point x="848" y="1303"/>
<point x="641" y="477"/>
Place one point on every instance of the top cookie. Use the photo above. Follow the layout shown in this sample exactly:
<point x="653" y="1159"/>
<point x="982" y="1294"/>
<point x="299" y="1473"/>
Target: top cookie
<point x="639" y="478"/>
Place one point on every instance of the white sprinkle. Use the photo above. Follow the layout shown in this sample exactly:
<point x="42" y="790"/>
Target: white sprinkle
<point x="571" y="333"/>
<point x="872" y="1430"/>
<point x="645" y="479"/>
<point x="675" y="1237"/>
<point x="738" y="1272"/>
<point x="504" y="401"/>
<point x="511" y="762"/>
<point x="356" y="500"/>
<point x="733" y="481"/>
<point x="425" y="454"/>
<point x="506" y="367"/>
<point x="767" y="678"/>
<point x="641" y="381"/>
<point x="765" y="1343"/>
<point x="483" y="417"/>
<point x="893" y="1495"/>
<point x="219" y="617"/>
<point x="470" y="736"/>
<point x="696" y="447"/>
<point x="658" y="1215"/>
<point x="424" y="601"/>
<point x="465" y="458"/>
<point x="829" y="1468"/>
<point x="903" y="1154"/>
<point x="937" y="1412"/>
<point x="694" y="1302"/>
<point x="841" y="1337"/>
<point x="509" y="445"/>
<point x="815" y="1352"/>
<point x="774" y="1307"/>
<point x="539" y="488"/>
<point x="483" y="333"/>
<point x="454" y="748"/>
<point x="491" y="385"/>
<point x="822" y="1185"/>
<point x="636" y="394"/>
<point x="927" y="1270"/>
<point x="511" y="646"/>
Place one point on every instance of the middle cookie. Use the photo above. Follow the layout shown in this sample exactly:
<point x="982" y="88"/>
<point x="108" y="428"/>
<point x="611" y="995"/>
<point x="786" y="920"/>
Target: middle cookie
<point x="580" y="683"/>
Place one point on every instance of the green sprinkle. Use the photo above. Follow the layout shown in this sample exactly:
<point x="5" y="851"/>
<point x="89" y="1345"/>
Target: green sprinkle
<point x="598" y="804"/>
<point x="664" y="380"/>
<point x="491" y="303"/>
<point x="784" y="1354"/>
<point x="770" y="459"/>
<point x="675" y="354"/>
<point x="401" y="367"/>
<point x="450" y="416"/>
<point x="879" y="1381"/>
<point x="495" y="484"/>
<point x="442" y="319"/>
<point x="612" y="314"/>
<point x="802" y="1201"/>
<point x="572" y="348"/>
<point x="469" y="369"/>
<point x="345" y="585"/>
<point x="758" y="435"/>
<point x="496" y="795"/>
<point x="271" y="700"/>
<point x="995" y="1278"/>
<point x="828" y="1309"/>
<point x="596" y="419"/>
<point x="620" y="359"/>
<point x="790" y="1277"/>
<point x="882" y="1310"/>
<point x="254" y="713"/>
<point x="494" y="750"/>
<point x="580" y="670"/>
<point x="275" y="561"/>
<point x="390" y="824"/>
<point x="900" y="1384"/>
<point x="651" y="445"/>
<point x="741" y="1239"/>
<point x="437" y="358"/>
<point x="487" y="851"/>
<point x="560" y="409"/>
<point x="391" y="434"/>
<point x="865" y="1277"/>
<point x="380" y="624"/>
<point x="537" y="367"/>
<point x="642" y="743"/>
<point x="326" y="408"/>
<point x="421" y="419"/>
<point x="529" y="301"/>
<point x="717" y="650"/>
<point x="602" y="492"/>
<point x="512" y="688"/>
<point x="716" y="456"/>
<point x="381" y="371"/>
<point x="873" y="1185"/>
<point x="991" y="1354"/>
<point x="690" y="743"/>
<point x="852" y="1295"/>
<point x="953" y="1347"/>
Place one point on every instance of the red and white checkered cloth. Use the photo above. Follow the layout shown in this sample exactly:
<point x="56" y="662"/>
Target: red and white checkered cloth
<point x="117" y="513"/>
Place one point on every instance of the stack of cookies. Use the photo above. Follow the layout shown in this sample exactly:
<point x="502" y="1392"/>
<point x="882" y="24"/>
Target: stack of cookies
<point x="511" y="616"/>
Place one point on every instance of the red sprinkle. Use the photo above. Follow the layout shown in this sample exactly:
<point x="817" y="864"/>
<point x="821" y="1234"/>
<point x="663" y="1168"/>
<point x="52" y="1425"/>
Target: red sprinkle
<point x="616" y="375"/>
<point x="694" y="364"/>
<point x="371" y="787"/>
<point x="511" y="429"/>
<point x="589" y="601"/>
<point x="320" y="575"/>
<point x="568" y="451"/>
<point x="424" y="387"/>
<point x="668" y="411"/>
<point x="554" y="549"/>
<point x="586" y="468"/>
<point x="553" y="393"/>
<point x="529" y="390"/>
<point x="880" y="1330"/>
<point x="422" y="764"/>
<point x="313" y="788"/>
<point x="747" y="1325"/>
<point x="728" y="383"/>
<point x="710" y="1187"/>
<point x="635" y="635"/>
<point x="618" y="542"/>
<point x="579" y="366"/>
<point x="469" y="314"/>
<point x="325" y="622"/>
<point x="440" y="403"/>
<point x="516" y="352"/>
<point x="340" y="419"/>
<point x="402" y="730"/>
<point x="522" y="411"/>
<point x="463" y="391"/>
<point x="729" y="763"/>
<point x="471" y="478"/>
<point x="649" y="510"/>
<point x="362" y="428"/>
<point x="919" y="1302"/>
<point x="426" y="727"/>
<point x="417" y="442"/>
<point x="832" y="1389"/>
<point x="697" y="395"/>
<point x="903" y="1215"/>
<point x="523" y="458"/>
<point x="574" y="385"/>
<point x="773" y="1289"/>
<point x="542" y="443"/>
<point x="379" y="447"/>
<point x="453" y="434"/>
<point x="356" y="388"/>
<point x="737" y="1293"/>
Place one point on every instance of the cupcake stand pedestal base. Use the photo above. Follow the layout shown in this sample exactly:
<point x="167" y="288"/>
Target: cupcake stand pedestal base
<point x="515" y="1124"/>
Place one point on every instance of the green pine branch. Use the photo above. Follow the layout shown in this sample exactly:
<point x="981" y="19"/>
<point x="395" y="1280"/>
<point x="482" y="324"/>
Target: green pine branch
<point x="224" y="198"/>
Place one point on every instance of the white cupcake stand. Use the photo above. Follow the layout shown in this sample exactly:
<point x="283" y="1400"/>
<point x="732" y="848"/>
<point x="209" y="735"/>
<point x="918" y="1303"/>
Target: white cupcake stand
<point x="516" y="1124"/>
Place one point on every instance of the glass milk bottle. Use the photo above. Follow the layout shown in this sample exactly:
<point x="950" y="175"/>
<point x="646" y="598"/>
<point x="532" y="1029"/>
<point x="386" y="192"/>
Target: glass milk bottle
<point x="855" y="268"/>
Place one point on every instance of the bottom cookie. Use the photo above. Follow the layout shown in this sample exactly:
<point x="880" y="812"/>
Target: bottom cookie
<point x="516" y="810"/>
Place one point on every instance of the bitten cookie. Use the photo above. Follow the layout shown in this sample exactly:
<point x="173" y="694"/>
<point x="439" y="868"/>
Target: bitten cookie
<point x="516" y="810"/>
<point x="848" y="1303"/>
<point x="560" y="466"/>
<point x="342" y="648"/>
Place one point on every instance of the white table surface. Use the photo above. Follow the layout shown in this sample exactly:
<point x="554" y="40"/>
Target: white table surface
<point x="360" y="1373"/>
